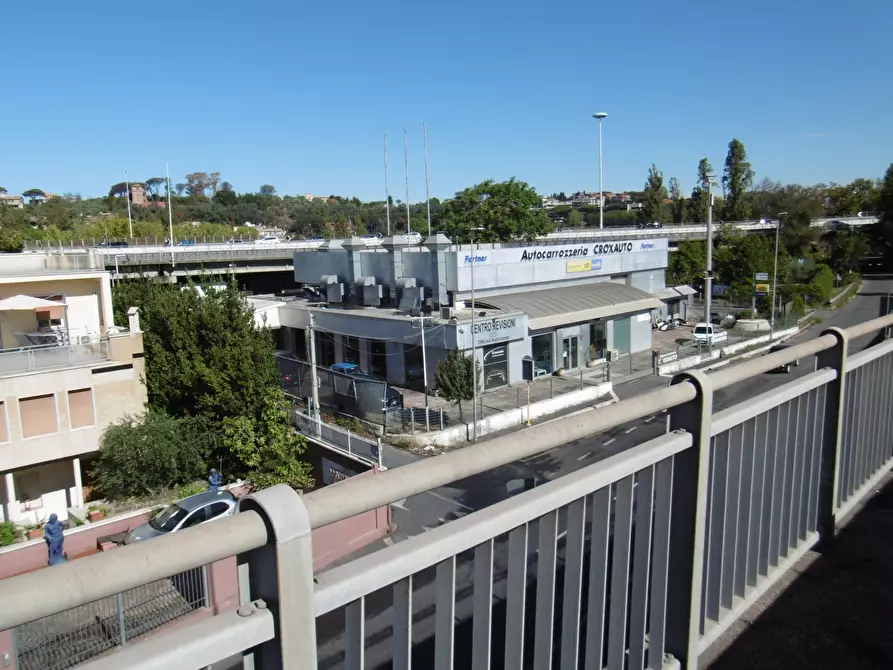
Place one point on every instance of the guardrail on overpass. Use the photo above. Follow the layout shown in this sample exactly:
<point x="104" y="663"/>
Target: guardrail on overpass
<point x="673" y="539"/>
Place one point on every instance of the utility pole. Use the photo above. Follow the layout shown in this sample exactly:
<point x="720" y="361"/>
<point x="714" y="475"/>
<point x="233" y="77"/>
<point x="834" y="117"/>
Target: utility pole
<point x="427" y="181"/>
<point x="314" y="382"/>
<point x="387" y="194"/>
<point x="406" y="164"/>
<point x="474" y="364"/>
<point x="129" y="216"/>
<point x="775" y="277"/>
<point x="424" y="372"/>
<point x="170" y="213"/>
<point x="708" y="274"/>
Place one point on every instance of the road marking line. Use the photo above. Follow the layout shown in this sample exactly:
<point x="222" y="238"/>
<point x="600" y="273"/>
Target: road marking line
<point x="629" y="430"/>
<point x="650" y="419"/>
<point x="586" y="455"/>
<point x="613" y="439"/>
<point x="400" y="504"/>
<point x="449" y="500"/>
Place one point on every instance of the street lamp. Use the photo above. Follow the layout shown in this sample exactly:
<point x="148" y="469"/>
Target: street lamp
<point x="708" y="274"/>
<point x="601" y="169"/>
<point x="775" y="275"/>
<point x="474" y="365"/>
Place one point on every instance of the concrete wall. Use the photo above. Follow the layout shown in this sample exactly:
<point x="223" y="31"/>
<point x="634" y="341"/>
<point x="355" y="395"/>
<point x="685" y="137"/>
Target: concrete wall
<point x="116" y="392"/>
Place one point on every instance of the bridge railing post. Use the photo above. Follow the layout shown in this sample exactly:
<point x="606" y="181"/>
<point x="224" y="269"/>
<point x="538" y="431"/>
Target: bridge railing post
<point x="281" y="574"/>
<point x="689" y="514"/>
<point x="832" y="433"/>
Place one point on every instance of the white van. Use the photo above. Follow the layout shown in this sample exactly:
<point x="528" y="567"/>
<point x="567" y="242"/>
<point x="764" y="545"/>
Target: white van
<point x="708" y="333"/>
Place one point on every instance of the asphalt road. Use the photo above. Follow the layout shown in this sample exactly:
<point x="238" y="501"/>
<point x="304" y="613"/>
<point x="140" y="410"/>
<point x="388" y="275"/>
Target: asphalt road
<point x="421" y="513"/>
<point x="425" y="511"/>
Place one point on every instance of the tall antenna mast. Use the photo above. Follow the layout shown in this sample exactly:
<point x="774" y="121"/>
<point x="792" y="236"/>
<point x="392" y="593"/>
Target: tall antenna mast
<point x="427" y="180"/>
<point x="387" y="195"/>
<point x="406" y="160"/>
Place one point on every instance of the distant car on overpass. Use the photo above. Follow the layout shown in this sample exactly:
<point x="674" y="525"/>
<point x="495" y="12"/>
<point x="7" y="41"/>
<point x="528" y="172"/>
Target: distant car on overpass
<point x="186" y="243"/>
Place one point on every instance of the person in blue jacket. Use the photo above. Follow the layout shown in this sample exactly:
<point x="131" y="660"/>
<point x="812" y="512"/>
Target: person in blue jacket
<point x="215" y="480"/>
<point x="53" y="532"/>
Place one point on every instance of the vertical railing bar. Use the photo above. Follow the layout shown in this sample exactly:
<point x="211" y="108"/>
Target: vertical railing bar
<point x="789" y="443"/>
<point x="544" y="617"/>
<point x="806" y="469"/>
<point x="516" y="595"/>
<point x="355" y="634"/>
<point x="888" y="402"/>
<point x="403" y="624"/>
<point x="846" y="446"/>
<point x="730" y="517"/>
<point x="620" y="555"/>
<point x="755" y="515"/>
<point x="769" y="490"/>
<point x="660" y="555"/>
<point x="796" y="471"/>
<point x="573" y="583"/>
<point x="879" y="397"/>
<point x="638" y="604"/>
<point x="598" y="577"/>
<point x="122" y="629"/>
<point x="858" y="407"/>
<point x="812" y="516"/>
<point x="746" y="450"/>
<point x="482" y="618"/>
<point x="714" y="540"/>
<point x="853" y="460"/>
<point x="445" y="614"/>
<point x="781" y="435"/>
<point x="863" y="424"/>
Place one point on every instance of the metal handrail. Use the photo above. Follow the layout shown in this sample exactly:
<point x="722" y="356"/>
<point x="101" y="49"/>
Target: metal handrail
<point x="42" y="593"/>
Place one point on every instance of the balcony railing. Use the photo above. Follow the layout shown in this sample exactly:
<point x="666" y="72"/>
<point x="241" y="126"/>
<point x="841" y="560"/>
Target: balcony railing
<point x="32" y="359"/>
<point x="639" y="561"/>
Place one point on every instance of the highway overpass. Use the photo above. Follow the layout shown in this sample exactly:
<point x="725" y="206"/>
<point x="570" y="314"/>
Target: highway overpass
<point x="251" y="257"/>
<point x="642" y="560"/>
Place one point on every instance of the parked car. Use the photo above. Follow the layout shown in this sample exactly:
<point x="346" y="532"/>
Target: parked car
<point x="267" y="239"/>
<point x="351" y="369"/>
<point x="112" y="244"/>
<point x="708" y="333"/>
<point x="192" y="511"/>
<point x="787" y="366"/>
<point x="234" y="240"/>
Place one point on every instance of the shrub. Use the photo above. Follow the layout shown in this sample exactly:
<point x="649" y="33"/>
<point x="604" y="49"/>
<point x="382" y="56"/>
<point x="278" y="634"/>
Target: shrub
<point x="9" y="533"/>
<point x="191" y="489"/>
<point x="142" y="456"/>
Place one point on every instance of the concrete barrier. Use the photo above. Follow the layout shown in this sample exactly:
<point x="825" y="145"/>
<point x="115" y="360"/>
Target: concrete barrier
<point x="509" y="419"/>
<point x="725" y="352"/>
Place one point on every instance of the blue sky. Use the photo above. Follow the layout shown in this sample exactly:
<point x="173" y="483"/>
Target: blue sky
<point x="298" y="94"/>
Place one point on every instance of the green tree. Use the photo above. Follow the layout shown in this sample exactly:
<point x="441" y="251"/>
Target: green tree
<point x="678" y="202"/>
<point x="736" y="181"/>
<point x="860" y="195"/>
<point x="697" y="203"/>
<point x="822" y="285"/>
<point x="267" y="447"/>
<point x="33" y="195"/>
<point x="687" y="264"/>
<point x="455" y="379"/>
<point x="267" y="189"/>
<point x="654" y="196"/>
<point x="885" y="212"/>
<point x="506" y="211"/>
<point x="575" y="218"/>
<point x="847" y="249"/>
<point x="144" y="455"/>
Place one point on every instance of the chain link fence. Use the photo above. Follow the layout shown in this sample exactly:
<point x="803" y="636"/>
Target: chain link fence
<point x="71" y="637"/>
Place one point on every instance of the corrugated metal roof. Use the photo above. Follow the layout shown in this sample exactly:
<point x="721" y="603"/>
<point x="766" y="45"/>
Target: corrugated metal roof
<point x="666" y="294"/>
<point x="685" y="290"/>
<point x="552" y="307"/>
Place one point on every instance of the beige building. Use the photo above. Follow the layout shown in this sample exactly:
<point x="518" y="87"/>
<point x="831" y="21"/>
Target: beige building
<point x="66" y="372"/>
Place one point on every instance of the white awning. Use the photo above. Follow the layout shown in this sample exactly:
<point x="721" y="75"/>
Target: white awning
<point x="685" y="290"/>
<point x="27" y="302"/>
<point x="666" y="294"/>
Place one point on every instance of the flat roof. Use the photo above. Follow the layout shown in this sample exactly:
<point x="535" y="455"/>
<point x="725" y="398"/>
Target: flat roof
<point x="548" y="308"/>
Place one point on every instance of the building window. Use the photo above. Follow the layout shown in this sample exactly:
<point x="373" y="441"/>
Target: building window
<point x="80" y="408"/>
<point x="412" y="361"/>
<point x="570" y="353"/>
<point x="4" y="428"/>
<point x="542" y="354"/>
<point x="351" y="349"/>
<point x="325" y="350"/>
<point x="38" y="415"/>
<point x="300" y="346"/>
<point x="496" y="366"/>
<point x="378" y="359"/>
<point x="598" y="339"/>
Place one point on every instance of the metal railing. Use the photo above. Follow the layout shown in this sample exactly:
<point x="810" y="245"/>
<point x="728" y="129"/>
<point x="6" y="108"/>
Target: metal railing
<point x="45" y="357"/>
<point x="75" y="635"/>
<point x="353" y="444"/>
<point x="641" y="560"/>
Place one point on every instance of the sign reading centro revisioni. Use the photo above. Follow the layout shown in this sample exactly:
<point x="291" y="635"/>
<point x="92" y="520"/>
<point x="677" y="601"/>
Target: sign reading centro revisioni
<point x="579" y="252"/>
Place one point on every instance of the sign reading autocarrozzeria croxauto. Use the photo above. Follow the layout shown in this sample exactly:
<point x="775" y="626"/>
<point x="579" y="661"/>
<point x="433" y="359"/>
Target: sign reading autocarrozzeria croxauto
<point x="559" y="253"/>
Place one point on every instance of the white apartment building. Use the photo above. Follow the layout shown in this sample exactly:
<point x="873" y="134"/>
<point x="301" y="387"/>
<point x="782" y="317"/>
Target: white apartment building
<point x="66" y="372"/>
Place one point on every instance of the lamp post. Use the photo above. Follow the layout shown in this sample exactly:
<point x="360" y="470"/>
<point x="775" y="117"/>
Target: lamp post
<point x="601" y="170"/>
<point x="474" y="363"/>
<point x="708" y="273"/>
<point x="775" y="276"/>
